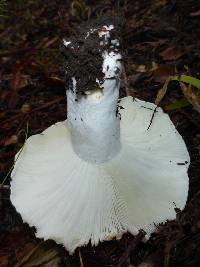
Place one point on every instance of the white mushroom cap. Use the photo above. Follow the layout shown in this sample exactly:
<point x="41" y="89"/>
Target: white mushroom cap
<point x="73" y="201"/>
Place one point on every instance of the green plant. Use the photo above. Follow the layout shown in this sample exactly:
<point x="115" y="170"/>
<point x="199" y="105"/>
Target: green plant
<point x="187" y="79"/>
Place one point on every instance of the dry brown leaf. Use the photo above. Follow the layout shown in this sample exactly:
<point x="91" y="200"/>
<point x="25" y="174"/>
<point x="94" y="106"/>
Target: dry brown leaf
<point x="162" y="72"/>
<point x="4" y="261"/>
<point x="2" y="114"/>
<point x="172" y="53"/>
<point x="191" y="96"/>
<point x="25" y="108"/>
<point x="159" y="3"/>
<point x="12" y="140"/>
<point x="46" y="254"/>
<point x="195" y="14"/>
<point x="146" y="264"/>
<point x="162" y="92"/>
<point x="139" y="68"/>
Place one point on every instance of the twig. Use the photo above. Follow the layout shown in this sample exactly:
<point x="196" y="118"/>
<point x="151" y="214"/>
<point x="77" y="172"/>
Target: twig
<point x="80" y="258"/>
<point x="152" y="117"/>
<point x="162" y="92"/>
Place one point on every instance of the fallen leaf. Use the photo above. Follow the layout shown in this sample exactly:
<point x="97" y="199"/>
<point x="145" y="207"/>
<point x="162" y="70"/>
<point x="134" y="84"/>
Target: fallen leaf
<point x="178" y="104"/>
<point x="12" y="140"/>
<point x="172" y="53"/>
<point x="191" y="96"/>
<point x="146" y="264"/>
<point x="25" y="108"/>
<point x="139" y="68"/>
<point x="134" y="78"/>
<point x="4" y="260"/>
<point x="187" y="79"/>
<point x="163" y="72"/>
<point x="2" y="114"/>
<point x="195" y="14"/>
<point x="46" y="254"/>
<point x="161" y="93"/>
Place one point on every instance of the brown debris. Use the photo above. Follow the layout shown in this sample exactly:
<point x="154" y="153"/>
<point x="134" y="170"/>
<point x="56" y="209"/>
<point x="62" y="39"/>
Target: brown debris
<point x="172" y="53"/>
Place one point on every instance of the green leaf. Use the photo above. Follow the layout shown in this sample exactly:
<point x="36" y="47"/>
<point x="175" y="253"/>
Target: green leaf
<point x="181" y="103"/>
<point x="187" y="79"/>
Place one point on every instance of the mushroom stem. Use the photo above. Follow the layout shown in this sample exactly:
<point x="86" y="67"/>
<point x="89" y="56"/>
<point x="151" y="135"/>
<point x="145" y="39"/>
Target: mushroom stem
<point x="94" y="124"/>
<point x="93" y="91"/>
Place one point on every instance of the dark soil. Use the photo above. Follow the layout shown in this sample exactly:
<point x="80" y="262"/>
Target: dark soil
<point x="83" y="54"/>
<point x="161" y="38"/>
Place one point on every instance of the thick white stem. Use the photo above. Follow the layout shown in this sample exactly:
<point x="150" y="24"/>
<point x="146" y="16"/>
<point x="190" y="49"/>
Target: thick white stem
<point x="94" y="125"/>
<point x="92" y="118"/>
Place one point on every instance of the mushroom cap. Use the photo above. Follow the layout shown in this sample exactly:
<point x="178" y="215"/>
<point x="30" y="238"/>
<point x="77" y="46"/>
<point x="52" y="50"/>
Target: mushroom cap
<point x="73" y="201"/>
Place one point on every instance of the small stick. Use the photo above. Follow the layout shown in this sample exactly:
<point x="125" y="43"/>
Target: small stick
<point x="162" y="92"/>
<point x="152" y="117"/>
<point x="80" y="258"/>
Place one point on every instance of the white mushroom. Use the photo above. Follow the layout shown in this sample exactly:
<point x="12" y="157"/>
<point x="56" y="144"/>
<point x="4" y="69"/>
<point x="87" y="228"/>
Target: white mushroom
<point x="94" y="177"/>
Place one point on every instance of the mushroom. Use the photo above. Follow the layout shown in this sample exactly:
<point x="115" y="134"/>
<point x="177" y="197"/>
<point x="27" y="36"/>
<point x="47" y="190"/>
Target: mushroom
<point x="99" y="173"/>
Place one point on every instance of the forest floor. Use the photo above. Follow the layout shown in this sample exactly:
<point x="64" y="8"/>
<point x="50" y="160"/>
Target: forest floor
<point x="161" y="39"/>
